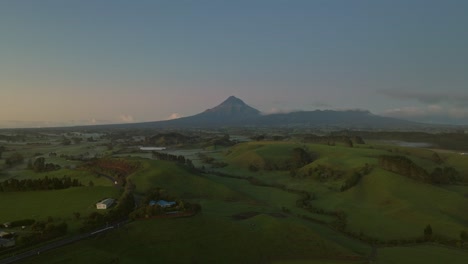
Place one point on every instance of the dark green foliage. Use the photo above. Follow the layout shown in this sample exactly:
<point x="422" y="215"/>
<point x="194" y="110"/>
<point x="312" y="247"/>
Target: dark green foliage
<point x="348" y="142"/>
<point x="464" y="236"/>
<point x="15" y="159"/>
<point x="436" y="158"/>
<point x="2" y="149"/>
<point x="358" y="140"/>
<point x="66" y="141"/>
<point x="300" y="158"/>
<point x="172" y="138"/>
<point x="356" y="177"/>
<point x="210" y="160"/>
<point x="331" y="140"/>
<point x="428" y="232"/>
<point x="23" y="222"/>
<point x="146" y="210"/>
<point x="404" y="166"/>
<point x="44" y="232"/>
<point x="258" y="137"/>
<point x="253" y="168"/>
<point x="325" y="173"/>
<point x="39" y="165"/>
<point x="15" y="185"/>
<point x="444" y="175"/>
<point x="221" y="141"/>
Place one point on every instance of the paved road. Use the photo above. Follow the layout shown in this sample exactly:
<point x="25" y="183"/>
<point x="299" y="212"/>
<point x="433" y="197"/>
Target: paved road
<point x="60" y="243"/>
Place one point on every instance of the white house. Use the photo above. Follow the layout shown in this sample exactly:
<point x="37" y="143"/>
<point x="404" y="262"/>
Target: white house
<point x="105" y="204"/>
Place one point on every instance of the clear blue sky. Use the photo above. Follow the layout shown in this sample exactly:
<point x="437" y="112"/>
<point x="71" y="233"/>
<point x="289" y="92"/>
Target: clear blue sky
<point x="86" y="62"/>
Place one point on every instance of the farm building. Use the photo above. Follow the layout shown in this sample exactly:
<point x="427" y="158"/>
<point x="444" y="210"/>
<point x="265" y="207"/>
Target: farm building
<point x="105" y="204"/>
<point x="162" y="203"/>
<point x="7" y="242"/>
<point x="7" y="239"/>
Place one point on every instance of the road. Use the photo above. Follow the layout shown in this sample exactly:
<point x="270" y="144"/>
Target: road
<point x="60" y="243"/>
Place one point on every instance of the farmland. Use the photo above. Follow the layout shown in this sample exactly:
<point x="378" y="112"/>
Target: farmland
<point x="289" y="201"/>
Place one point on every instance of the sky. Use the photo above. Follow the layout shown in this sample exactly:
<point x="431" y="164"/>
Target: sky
<point x="112" y="61"/>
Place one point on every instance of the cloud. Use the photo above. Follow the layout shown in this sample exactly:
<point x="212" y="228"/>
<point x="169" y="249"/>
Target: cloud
<point x="126" y="118"/>
<point x="431" y="114"/>
<point x="276" y="110"/>
<point x="174" y="116"/>
<point x="428" y="97"/>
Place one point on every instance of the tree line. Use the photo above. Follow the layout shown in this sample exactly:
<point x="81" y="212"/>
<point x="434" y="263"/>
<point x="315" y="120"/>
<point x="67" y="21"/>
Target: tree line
<point x="332" y="140"/>
<point x="39" y="165"/>
<point x="174" y="158"/>
<point x="46" y="183"/>
<point x="406" y="167"/>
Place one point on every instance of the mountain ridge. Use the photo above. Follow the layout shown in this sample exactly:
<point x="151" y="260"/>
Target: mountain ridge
<point x="234" y="112"/>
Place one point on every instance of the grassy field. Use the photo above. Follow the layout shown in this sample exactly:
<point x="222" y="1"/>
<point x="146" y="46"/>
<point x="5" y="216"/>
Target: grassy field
<point x="59" y="204"/>
<point x="384" y="205"/>
<point x="421" y="255"/>
<point x="245" y="223"/>
<point x="202" y="239"/>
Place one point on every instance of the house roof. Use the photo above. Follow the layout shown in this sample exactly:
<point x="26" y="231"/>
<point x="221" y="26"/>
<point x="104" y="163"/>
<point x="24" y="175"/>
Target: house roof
<point x="162" y="203"/>
<point x="107" y="201"/>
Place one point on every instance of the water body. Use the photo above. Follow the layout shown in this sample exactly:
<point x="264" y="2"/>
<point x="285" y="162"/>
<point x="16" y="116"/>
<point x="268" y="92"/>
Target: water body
<point x="152" y="148"/>
<point x="408" y="144"/>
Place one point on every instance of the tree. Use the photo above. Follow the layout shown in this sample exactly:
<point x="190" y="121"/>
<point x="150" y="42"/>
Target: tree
<point x="464" y="236"/>
<point x="77" y="215"/>
<point x="428" y="232"/>
<point x="358" y="140"/>
<point x="2" y="149"/>
<point x="39" y="164"/>
<point x="77" y="140"/>
<point x="348" y="142"/>
<point x="436" y="158"/>
<point x="66" y="141"/>
<point x="15" y="159"/>
<point x="300" y="158"/>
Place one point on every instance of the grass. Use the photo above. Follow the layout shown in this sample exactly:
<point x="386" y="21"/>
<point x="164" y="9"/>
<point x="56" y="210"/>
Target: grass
<point x="390" y="206"/>
<point x="201" y="239"/>
<point x="382" y="204"/>
<point x="425" y="254"/>
<point x="59" y="204"/>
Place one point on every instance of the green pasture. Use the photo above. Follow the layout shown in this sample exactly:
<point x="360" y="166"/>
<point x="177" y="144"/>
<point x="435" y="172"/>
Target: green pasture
<point x="390" y="206"/>
<point x="425" y="254"/>
<point x="59" y="204"/>
<point x="179" y="181"/>
<point x="383" y="205"/>
<point x="201" y="239"/>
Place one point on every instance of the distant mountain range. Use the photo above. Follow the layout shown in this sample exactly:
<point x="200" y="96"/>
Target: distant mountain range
<point x="233" y="112"/>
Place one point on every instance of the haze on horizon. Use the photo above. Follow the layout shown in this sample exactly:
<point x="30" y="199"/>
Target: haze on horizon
<point x="96" y="62"/>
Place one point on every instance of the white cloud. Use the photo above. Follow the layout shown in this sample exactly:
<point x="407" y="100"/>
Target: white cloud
<point x="431" y="113"/>
<point x="126" y="118"/>
<point x="174" y="116"/>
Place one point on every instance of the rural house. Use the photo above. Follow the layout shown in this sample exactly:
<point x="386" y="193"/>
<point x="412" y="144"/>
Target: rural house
<point x="105" y="204"/>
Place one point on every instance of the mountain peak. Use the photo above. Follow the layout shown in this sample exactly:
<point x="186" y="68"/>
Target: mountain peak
<point x="232" y="100"/>
<point x="233" y="106"/>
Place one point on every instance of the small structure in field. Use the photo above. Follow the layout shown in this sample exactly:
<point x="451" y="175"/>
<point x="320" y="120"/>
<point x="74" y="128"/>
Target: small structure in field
<point x="105" y="204"/>
<point x="162" y="203"/>
<point x="7" y="239"/>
